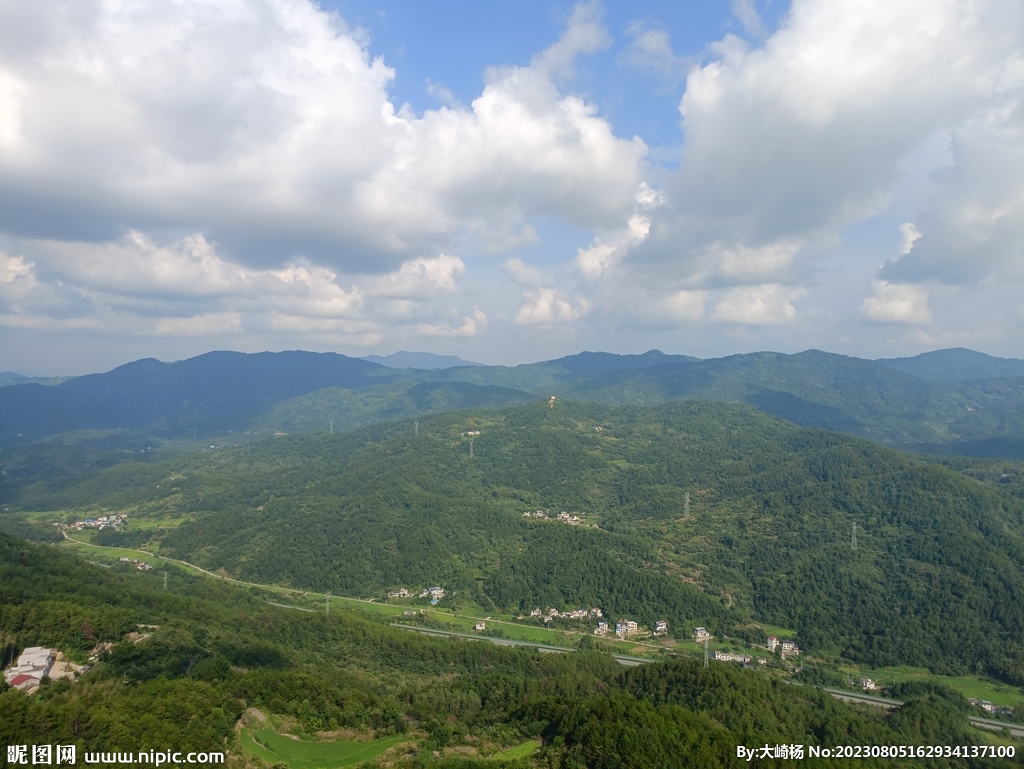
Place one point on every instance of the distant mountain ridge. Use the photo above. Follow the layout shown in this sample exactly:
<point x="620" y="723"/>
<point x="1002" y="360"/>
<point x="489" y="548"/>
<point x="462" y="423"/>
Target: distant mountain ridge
<point x="214" y="388"/>
<point x="419" y="360"/>
<point x="13" y="378"/>
<point x="308" y="392"/>
<point x="956" y="364"/>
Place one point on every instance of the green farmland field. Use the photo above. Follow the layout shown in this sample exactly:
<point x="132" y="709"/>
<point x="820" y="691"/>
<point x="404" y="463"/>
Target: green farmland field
<point x="273" y="748"/>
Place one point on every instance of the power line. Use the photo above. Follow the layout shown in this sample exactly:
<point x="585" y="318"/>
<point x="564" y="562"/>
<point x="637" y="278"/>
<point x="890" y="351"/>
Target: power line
<point x="417" y="426"/>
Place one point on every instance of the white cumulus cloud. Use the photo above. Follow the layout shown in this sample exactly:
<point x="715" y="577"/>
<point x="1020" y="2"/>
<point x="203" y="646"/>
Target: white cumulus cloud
<point x="267" y="125"/>
<point x="547" y="306"/>
<point x="767" y="304"/>
<point x="896" y="303"/>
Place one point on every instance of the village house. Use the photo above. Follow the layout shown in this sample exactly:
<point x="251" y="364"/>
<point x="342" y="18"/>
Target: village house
<point x="773" y="643"/>
<point x="401" y="593"/>
<point x="480" y="626"/>
<point x="660" y="627"/>
<point x="790" y="647"/>
<point x="868" y="685"/>
<point x="536" y="613"/>
<point x="140" y="565"/>
<point x="626" y="627"/>
<point x="701" y="634"/>
<point x="601" y="629"/>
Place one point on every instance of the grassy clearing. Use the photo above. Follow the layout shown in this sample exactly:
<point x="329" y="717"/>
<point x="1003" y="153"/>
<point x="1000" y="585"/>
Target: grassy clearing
<point x="273" y="748"/>
<point x="109" y="554"/>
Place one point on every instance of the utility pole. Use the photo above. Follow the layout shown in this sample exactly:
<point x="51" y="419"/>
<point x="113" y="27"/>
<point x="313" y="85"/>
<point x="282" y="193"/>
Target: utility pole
<point x="417" y="426"/>
<point x="853" y="538"/>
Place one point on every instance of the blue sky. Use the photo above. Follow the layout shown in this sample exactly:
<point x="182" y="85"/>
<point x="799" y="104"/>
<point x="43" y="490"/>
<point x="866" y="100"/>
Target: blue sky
<point x="509" y="182"/>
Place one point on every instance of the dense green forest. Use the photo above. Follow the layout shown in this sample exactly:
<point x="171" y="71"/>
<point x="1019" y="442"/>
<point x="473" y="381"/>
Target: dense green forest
<point x="695" y="513"/>
<point x="216" y="651"/>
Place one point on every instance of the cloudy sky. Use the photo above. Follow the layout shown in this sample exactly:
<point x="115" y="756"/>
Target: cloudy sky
<point x="508" y="182"/>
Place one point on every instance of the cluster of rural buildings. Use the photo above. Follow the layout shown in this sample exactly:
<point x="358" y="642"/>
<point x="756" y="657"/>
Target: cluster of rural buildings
<point x="988" y="707"/>
<point x="627" y="627"/>
<point x="469" y="433"/>
<point x="573" y="519"/>
<point x="786" y="647"/>
<point x="140" y="565"/>
<point x="743" y="659"/>
<point x="571" y="614"/>
<point x="113" y="521"/>
<point x="34" y="664"/>
<point x="435" y="594"/>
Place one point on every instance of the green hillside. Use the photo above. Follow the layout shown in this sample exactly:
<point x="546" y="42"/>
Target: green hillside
<point x="694" y="513"/>
<point x="217" y="667"/>
<point x="349" y="409"/>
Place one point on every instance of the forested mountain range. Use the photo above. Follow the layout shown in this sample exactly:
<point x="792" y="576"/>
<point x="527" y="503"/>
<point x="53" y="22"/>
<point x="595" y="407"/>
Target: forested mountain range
<point x="706" y="514"/>
<point x="215" y="658"/>
<point x="907" y="403"/>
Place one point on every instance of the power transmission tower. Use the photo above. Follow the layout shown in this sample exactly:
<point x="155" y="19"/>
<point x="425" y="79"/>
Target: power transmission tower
<point x="332" y="426"/>
<point x="686" y="506"/>
<point x="471" y="449"/>
<point x="706" y="652"/>
<point x="853" y="538"/>
<point x="165" y="580"/>
<point x="328" y="603"/>
<point x="417" y="426"/>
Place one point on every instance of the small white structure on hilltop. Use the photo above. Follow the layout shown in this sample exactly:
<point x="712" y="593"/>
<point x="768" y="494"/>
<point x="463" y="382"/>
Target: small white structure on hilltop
<point x="480" y="626"/>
